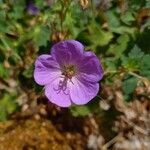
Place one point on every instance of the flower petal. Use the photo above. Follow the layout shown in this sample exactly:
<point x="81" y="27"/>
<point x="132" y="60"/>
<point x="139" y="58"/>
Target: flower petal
<point x="69" y="51"/>
<point x="82" y="92"/>
<point x="46" y="70"/>
<point x="56" y="96"/>
<point x="91" y="69"/>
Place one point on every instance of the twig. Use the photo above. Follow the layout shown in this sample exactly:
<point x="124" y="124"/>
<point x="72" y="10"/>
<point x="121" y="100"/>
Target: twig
<point x="111" y="142"/>
<point x="109" y="72"/>
<point x="136" y="127"/>
<point x="136" y="75"/>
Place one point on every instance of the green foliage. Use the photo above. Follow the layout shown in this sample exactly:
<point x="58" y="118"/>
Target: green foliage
<point x="145" y="69"/>
<point x="41" y="35"/>
<point x="28" y="73"/>
<point x="132" y="62"/>
<point x="94" y="36"/>
<point x="129" y="86"/>
<point x="85" y="110"/>
<point x="80" y="111"/>
<point x="7" y="106"/>
<point x="120" y="46"/>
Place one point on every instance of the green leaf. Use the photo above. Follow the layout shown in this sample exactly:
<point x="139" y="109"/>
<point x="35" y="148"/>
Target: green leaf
<point x="95" y="36"/>
<point x="135" y="4"/>
<point x="145" y="67"/>
<point x="113" y="19"/>
<point x="136" y="53"/>
<point x="80" y="110"/>
<point x="128" y="18"/>
<point x="39" y="4"/>
<point x="87" y="109"/>
<point x="3" y="113"/>
<point x="146" y="61"/>
<point x="4" y="73"/>
<point x="121" y="45"/>
<point x="1" y="2"/>
<point x="41" y="35"/>
<point x="7" y="106"/>
<point x="133" y="61"/>
<point x="129" y="85"/>
<point x="4" y="28"/>
<point x="147" y="4"/>
<point x="111" y="64"/>
<point x="28" y="72"/>
<point x="18" y="11"/>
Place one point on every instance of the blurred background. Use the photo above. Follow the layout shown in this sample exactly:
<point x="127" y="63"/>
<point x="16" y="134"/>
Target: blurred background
<point x="118" y="31"/>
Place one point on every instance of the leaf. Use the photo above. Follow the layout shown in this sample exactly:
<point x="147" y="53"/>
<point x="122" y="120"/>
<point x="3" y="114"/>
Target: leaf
<point x="18" y="10"/>
<point x="85" y="110"/>
<point x="4" y="28"/>
<point x="7" y="106"/>
<point x="111" y="64"/>
<point x="80" y="110"/>
<point x="1" y="2"/>
<point x="136" y="53"/>
<point x="95" y="36"/>
<point x="129" y="85"/>
<point x="128" y="18"/>
<point x="41" y="35"/>
<point x="145" y="67"/>
<point x="121" y="45"/>
<point x="113" y="20"/>
<point x="133" y="61"/>
<point x="28" y="72"/>
<point x="135" y="4"/>
<point x="147" y="4"/>
<point x="4" y="73"/>
<point x="3" y="113"/>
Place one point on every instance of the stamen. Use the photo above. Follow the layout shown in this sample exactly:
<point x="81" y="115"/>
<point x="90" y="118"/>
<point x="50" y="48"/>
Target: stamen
<point x="62" y="86"/>
<point x="71" y="81"/>
<point x="67" y="73"/>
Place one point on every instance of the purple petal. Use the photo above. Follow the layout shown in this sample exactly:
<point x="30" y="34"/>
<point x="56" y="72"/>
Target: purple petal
<point x="46" y="70"/>
<point x="32" y="8"/>
<point x="82" y="92"/>
<point x="69" y="51"/>
<point x="56" y="96"/>
<point x="91" y="69"/>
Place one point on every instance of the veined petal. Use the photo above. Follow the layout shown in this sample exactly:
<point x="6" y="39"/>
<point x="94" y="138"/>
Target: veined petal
<point x="90" y="68"/>
<point x="46" y="70"/>
<point x="67" y="52"/>
<point x="82" y="92"/>
<point x="57" y="95"/>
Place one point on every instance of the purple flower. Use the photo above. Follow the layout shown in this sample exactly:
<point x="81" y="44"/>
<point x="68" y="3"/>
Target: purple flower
<point x="32" y="8"/>
<point x="69" y="74"/>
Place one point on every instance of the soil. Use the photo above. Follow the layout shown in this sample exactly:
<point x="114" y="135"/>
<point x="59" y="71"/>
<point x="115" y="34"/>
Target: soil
<point x="40" y="129"/>
<point x="31" y="134"/>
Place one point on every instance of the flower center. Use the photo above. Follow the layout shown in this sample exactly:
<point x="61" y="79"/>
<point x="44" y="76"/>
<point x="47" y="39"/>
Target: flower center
<point x="69" y="71"/>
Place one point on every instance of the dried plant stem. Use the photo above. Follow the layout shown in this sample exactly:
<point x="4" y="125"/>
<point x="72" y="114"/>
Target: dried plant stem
<point x="136" y="75"/>
<point x="111" y="142"/>
<point x="109" y="72"/>
<point x="136" y="127"/>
